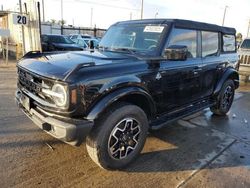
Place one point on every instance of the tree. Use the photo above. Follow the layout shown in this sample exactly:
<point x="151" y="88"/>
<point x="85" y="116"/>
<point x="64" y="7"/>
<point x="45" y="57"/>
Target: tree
<point x="239" y="37"/>
<point x="62" y="22"/>
<point x="53" y="21"/>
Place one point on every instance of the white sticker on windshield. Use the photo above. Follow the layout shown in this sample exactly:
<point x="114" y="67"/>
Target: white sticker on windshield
<point x="153" y="29"/>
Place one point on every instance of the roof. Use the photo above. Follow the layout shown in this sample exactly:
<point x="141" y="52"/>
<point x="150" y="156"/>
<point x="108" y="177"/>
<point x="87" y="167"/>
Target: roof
<point x="4" y="13"/>
<point x="188" y="24"/>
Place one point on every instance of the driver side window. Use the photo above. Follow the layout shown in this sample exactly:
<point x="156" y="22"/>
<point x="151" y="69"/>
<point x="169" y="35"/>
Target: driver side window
<point x="185" y="37"/>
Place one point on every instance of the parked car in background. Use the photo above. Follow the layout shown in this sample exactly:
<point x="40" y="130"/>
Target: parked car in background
<point x="78" y="36"/>
<point x="99" y="38"/>
<point x="81" y="43"/>
<point x="144" y="75"/>
<point x="85" y="42"/>
<point x="78" y="39"/>
<point x="95" y="42"/>
<point x="245" y="45"/>
<point x="244" y="53"/>
<point x="58" y="43"/>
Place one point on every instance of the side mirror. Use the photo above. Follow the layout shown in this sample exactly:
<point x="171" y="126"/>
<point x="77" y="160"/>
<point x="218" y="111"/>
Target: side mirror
<point x="176" y="53"/>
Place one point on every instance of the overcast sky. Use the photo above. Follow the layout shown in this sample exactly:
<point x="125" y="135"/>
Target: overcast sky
<point x="106" y="12"/>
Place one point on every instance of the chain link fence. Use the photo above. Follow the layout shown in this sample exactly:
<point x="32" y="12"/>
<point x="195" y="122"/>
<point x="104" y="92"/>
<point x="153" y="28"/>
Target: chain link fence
<point x="49" y="28"/>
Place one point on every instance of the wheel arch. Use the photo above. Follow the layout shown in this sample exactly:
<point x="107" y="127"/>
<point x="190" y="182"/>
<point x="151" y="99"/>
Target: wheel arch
<point x="132" y="95"/>
<point x="229" y="74"/>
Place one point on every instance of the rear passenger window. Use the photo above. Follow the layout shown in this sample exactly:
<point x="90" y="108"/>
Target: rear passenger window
<point x="210" y="43"/>
<point x="229" y="43"/>
<point x="187" y="38"/>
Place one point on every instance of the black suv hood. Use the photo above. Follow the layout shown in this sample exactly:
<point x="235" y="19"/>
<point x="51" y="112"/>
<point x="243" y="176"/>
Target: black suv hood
<point x="58" y="65"/>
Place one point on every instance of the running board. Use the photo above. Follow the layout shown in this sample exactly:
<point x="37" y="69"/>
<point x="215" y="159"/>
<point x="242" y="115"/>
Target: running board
<point x="176" y="115"/>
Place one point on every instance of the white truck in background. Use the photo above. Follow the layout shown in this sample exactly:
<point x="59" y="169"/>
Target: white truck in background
<point x="244" y="53"/>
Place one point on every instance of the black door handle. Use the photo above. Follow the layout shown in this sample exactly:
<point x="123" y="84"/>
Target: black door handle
<point x="219" y="67"/>
<point x="197" y="70"/>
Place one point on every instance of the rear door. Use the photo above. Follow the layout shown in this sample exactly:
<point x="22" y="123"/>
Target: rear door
<point x="212" y="63"/>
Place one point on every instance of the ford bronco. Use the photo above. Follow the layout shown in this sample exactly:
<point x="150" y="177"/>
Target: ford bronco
<point x="145" y="74"/>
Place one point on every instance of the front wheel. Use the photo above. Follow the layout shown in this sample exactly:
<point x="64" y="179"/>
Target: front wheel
<point x="118" y="136"/>
<point x="225" y="99"/>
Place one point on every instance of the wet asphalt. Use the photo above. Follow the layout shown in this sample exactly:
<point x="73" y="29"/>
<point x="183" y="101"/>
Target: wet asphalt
<point x="201" y="150"/>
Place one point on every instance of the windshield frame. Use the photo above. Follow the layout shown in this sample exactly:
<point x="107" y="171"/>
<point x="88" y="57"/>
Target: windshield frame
<point x="133" y="51"/>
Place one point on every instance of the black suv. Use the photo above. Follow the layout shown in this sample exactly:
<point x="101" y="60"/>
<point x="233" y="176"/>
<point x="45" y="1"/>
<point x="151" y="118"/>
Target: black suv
<point x="58" y="43"/>
<point x="145" y="74"/>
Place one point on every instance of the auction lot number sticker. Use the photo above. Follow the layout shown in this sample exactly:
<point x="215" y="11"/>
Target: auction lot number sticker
<point x="153" y="29"/>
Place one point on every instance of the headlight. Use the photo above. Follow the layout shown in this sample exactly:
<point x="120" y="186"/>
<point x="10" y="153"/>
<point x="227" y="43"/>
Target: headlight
<point x="58" y="94"/>
<point x="61" y="95"/>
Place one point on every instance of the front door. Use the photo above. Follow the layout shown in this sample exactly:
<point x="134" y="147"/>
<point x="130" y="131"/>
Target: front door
<point x="181" y="80"/>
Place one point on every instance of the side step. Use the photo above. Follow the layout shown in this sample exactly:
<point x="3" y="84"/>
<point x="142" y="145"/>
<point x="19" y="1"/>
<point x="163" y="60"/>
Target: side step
<point x="181" y="113"/>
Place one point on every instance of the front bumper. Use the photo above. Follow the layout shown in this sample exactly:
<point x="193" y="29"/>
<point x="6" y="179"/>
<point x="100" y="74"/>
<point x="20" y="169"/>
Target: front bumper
<point x="71" y="131"/>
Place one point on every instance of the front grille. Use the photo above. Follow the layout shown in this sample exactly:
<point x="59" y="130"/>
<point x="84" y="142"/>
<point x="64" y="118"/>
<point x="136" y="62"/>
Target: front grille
<point x="34" y="84"/>
<point x="29" y="81"/>
<point x="245" y="60"/>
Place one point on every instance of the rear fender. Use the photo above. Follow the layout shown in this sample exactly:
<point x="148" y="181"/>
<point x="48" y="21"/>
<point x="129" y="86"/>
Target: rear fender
<point x="228" y="74"/>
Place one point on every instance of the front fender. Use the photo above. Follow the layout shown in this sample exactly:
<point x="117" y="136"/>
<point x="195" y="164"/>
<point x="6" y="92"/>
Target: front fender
<point x="115" y="96"/>
<point x="228" y="74"/>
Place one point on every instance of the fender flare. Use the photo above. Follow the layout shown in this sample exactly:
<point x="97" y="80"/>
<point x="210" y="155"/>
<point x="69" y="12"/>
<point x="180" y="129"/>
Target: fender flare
<point x="229" y="73"/>
<point x="114" y="96"/>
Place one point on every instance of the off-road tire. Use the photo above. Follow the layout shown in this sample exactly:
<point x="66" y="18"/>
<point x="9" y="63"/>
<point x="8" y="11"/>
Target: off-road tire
<point x="220" y="108"/>
<point x="98" y="141"/>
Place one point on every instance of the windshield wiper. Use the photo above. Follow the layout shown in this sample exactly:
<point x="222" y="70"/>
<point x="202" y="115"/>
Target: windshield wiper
<point x="103" y="48"/>
<point x="132" y="51"/>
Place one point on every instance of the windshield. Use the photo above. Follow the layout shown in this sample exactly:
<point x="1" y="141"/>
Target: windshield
<point x="60" y="39"/>
<point x="246" y="44"/>
<point x="135" y="38"/>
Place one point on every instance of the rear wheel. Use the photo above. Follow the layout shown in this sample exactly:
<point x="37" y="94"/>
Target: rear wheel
<point x="225" y="99"/>
<point x="118" y="136"/>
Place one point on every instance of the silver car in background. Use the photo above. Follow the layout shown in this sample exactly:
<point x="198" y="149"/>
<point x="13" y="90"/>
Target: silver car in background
<point x="84" y="40"/>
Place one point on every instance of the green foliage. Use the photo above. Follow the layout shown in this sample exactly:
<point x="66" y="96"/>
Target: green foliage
<point x="239" y="37"/>
<point x="62" y="22"/>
